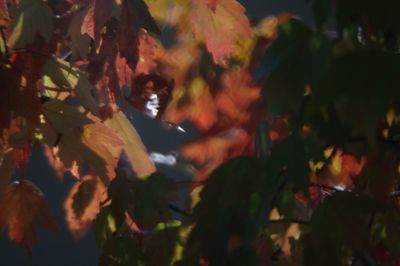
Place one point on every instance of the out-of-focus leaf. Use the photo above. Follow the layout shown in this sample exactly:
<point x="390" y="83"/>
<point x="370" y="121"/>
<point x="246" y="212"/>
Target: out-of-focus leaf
<point x="121" y="251"/>
<point x="22" y="206"/>
<point x="146" y="199"/>
<point x="293" y="62"/>
<point x="362" y="85"/>
<point x="104" y="226"/>
<point x="341" y="222"/>
<point x="160" y="247"/>
<point x="226" y="200"/>
<point x="194" y="103"/>
<point x="219" y="26"/>
<point x="151" y="200"/>
<point x="292" y="155"/>
<point x="35" y="17"/>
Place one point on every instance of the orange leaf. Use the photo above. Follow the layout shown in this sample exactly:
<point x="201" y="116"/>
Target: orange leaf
<point x="194" y="103"/>
<point x="132" y="144"/>
<point x="219" y="26"/>
<point x="83" y="204"/>
<point x="341" y="170"/>
<point x="22" y="206"/>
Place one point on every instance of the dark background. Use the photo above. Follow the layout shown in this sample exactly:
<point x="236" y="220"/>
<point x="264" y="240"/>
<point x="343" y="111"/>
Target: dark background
<point x="60" y="249"/>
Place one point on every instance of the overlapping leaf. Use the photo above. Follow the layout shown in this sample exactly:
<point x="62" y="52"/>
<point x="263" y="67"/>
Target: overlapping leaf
<point x="22" y="207"/>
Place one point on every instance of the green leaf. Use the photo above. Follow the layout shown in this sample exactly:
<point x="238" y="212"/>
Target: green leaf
<point x="146" y="199"/>
<point x="71" y="78"/>
<point x="121" y="251"/>
<point x="160" y="247"/>
<point x="151" y="199"/>
<point x="295" y="60"/>
<point x="361" y="85"/>
<point x="221" y="214"/>
<point x="35" y="17"/>
<point x="104" y="226"/>
<point x="341" y="222"/>
<point x="293" y="155"/>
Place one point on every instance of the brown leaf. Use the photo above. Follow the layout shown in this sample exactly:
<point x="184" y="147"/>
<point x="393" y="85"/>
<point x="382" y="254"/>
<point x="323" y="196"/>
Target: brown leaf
<point x="96" y="17"/>
<point x="134" y="15"/>
<point x="132" y="144"/>
<point x="83" y="204"/>
<point x="22" y="206"/>
<point x="79" y="42"/>
<point x="4" y="17"/>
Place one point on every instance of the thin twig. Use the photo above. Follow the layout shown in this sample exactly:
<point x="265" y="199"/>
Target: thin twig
<point x="178" y="210"/>
<point x="296" y="221"/>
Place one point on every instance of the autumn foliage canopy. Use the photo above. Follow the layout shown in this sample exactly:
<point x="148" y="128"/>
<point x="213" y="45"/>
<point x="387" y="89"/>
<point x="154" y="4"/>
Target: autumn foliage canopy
<point x="297" y="162"/>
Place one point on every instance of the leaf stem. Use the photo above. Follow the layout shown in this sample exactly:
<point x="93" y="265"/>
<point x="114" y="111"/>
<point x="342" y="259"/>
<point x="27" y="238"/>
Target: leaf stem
<point x="6" y="48"/>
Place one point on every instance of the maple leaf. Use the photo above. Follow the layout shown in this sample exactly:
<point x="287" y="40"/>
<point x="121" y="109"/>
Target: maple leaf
<point x="63" y="117"/>
<point x="68" y="77"/>
<point x="133" y="146"/>
<point x="238" y="100"/>
<point x="35" y="16"/>
<point x="22" y="206"/>
<point x="96" y="17"/>
<point x="134" y="15"/>
<point x="80" y="42"/>
<point x="220" y="27"/>
<point x="83" y="204"/>
<point x="82" y="139"/>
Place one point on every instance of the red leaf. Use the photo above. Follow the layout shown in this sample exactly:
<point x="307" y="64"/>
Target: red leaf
<point x="21" y="207"/>
<point x="96" y="17"/>
<point x="134" y="15"/>
<point x="4" y="17"/>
